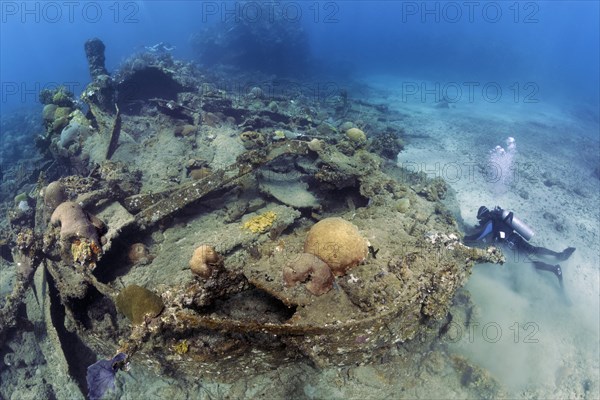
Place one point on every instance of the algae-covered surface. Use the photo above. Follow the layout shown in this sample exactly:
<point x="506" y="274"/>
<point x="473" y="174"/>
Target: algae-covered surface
<point x="182" y="165"/>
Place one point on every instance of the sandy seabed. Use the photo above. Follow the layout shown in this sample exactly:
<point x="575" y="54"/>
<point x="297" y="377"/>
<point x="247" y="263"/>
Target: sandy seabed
<point x="525" y="334"/>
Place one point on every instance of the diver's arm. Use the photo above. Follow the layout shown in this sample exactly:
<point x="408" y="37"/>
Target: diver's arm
<point x="482" y="232"/>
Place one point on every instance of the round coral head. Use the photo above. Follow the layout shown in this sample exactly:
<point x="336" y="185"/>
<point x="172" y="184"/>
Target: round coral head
<point x="338" y="243"/>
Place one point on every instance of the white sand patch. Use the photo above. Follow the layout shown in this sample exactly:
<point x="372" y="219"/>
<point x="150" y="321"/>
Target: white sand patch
<point x="557" y="195"/>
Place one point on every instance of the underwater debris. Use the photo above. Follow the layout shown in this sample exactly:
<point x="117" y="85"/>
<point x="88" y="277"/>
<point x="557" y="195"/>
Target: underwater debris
<point x="219" y="325"/>
<point x="94" y="51"/>
<point x="173" y="108"/>
<point x="100" y="93"/>
<point x="161" y="205"/>
<point x="114" y="136"/>
<point x="100" y="376"/>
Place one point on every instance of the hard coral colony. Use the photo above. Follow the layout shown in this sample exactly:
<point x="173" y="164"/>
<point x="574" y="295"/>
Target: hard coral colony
<point x="338" y="243"/>
<point x="332" y="246"/>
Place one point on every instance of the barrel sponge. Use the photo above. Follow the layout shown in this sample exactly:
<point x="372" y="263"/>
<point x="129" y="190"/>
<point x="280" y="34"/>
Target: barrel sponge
<point x="74" y="223"/>
<point x="310" y="269"/>
<point x="338" y="243"/>
<point x="136" y="302"/>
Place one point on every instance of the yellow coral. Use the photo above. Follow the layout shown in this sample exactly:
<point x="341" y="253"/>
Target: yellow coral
<point x="182" y="347"/>
<point x="79" y="251"/>
<point x="260" y="223"/>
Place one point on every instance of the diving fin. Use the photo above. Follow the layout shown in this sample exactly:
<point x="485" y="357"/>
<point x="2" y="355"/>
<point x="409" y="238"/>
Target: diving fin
<point x="566" y="253"/>
<point x="555" y="269"/>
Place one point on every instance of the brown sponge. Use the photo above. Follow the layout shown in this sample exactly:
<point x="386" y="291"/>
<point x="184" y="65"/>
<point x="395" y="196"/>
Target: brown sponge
<point x="310" y="269"/>
<point x="74" y="222"/>
<point x="203" y="261"/>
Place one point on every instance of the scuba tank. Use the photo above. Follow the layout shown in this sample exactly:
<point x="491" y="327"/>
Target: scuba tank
<point x="515" y="223"/>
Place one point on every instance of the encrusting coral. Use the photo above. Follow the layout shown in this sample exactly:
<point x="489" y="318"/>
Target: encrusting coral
<point x="260" y="223"/>
<point x="204" y="260"/>
<point x="310" y="269"/>
<point x="181" y="347"/>
<point x="85" y="251"/>
<point x="338" y="243"/>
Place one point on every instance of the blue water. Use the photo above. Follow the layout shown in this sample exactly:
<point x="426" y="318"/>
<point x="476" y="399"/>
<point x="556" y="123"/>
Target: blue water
<point x="551" y="45"/>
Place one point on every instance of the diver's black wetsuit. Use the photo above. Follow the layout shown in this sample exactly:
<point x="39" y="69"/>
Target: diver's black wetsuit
<point x="496" y="228"/>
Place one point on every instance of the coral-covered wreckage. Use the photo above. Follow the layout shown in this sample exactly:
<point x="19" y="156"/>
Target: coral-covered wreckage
<point x="268" y="283"/>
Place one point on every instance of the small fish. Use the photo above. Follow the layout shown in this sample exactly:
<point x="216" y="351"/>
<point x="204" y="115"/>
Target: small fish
<point x="373" y="251"/>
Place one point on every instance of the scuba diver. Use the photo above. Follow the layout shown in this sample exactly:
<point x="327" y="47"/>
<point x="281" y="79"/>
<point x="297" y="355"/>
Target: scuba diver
<point x="501" y="226"/>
